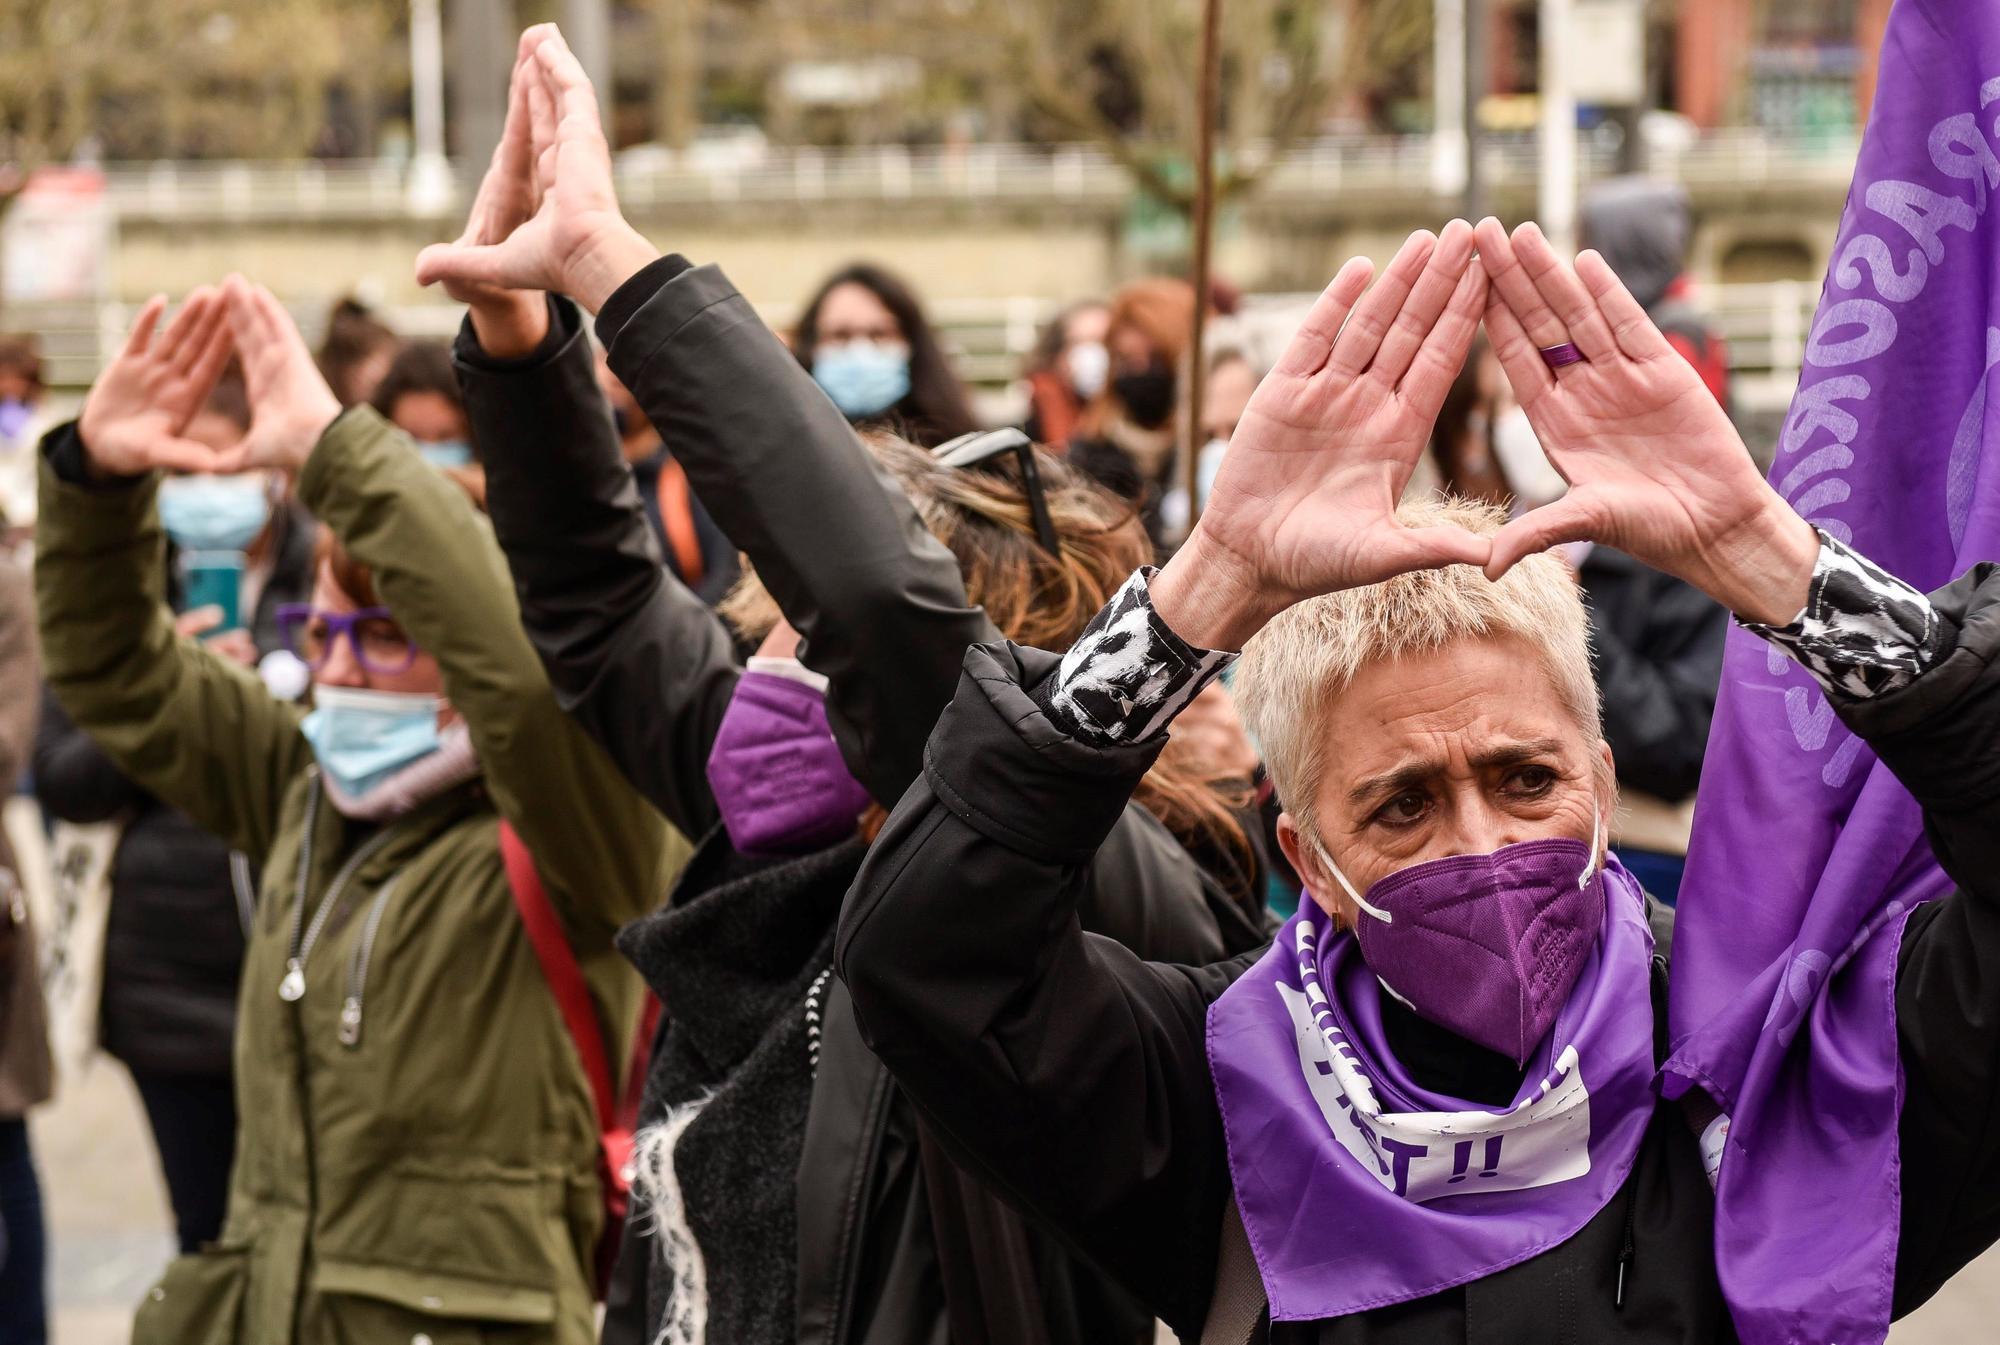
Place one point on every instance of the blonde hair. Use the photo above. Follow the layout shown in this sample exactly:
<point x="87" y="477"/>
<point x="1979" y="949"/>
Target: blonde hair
<point x="1296" y="667"/>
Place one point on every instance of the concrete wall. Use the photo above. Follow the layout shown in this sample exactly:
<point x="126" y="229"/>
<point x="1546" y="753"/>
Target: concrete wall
<point x="1045" y="249"/>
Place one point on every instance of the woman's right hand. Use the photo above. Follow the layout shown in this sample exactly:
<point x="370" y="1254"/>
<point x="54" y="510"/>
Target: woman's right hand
<point x="575" y="241"/>
<point x="133" y="419"/>
<point x="1306" y="499"/>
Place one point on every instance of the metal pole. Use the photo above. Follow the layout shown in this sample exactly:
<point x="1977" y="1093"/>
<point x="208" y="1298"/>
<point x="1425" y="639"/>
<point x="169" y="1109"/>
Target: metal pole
<point x="1556" y="205"/>
<point x="430" y="172"/>
<point x="586" y="26"/>
<point x="1448" y="95"/>
<point x="1207" y="96"/>
<point x="480" y="37"/>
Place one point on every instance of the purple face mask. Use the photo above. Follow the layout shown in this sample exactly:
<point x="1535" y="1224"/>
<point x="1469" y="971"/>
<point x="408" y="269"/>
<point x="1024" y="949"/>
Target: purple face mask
<point x="1486" y="945"/>
<point x="778" y="778"/>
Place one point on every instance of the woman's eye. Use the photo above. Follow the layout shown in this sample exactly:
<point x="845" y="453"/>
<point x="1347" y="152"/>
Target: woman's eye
<point x="1532" y="780"/>
<point x="1405" y="808"/>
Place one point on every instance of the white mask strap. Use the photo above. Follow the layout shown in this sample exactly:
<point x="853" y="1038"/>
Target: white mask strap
<point x="1596" y="860"/>
<point x="1348" y="887"/>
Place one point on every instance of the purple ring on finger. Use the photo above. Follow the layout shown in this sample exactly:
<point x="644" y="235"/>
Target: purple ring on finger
<point x="1562" y="355"/>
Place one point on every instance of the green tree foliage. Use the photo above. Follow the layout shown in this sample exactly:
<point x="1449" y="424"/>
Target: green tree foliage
<point x="184" y="78"/>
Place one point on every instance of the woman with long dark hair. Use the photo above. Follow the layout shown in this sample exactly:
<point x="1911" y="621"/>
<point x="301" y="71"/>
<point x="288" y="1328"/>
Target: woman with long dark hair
<point x="865" y="340"/>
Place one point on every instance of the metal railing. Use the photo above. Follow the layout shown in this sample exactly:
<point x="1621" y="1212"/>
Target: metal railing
<point x="989" y="173"/>
<point x="1765" y="325"/>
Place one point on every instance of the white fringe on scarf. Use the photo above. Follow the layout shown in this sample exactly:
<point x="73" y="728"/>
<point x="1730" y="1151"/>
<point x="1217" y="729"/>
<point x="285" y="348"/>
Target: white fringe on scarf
<point x="658" y="1189"/>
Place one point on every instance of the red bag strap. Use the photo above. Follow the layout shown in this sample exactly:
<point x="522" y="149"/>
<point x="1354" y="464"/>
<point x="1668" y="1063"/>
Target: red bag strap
<point x="676" y="501"/>
<point x="560" y="970"/>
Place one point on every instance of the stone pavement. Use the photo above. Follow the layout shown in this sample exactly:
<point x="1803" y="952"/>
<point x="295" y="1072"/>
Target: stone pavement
<point x="109" y="1227"/>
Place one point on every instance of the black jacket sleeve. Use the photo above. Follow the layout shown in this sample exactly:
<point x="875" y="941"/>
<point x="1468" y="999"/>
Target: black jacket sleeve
<point x="75" y="781"/>
<point x="640" y="662"/>
<point x="877" y="599"/>
<point x="1054" y="1061"/>
<point x="1658" y="645"/>
<point x="1941" y="737"/>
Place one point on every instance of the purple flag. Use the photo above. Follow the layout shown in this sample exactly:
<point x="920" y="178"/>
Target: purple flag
<point x="1807" y="855"/>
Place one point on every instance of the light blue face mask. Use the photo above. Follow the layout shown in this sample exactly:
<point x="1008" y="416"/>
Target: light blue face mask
<point x="447" y="453"/>
<point x="863" y="379"/>
<point x="214" y="513"/>
<point x="363" y="738"/>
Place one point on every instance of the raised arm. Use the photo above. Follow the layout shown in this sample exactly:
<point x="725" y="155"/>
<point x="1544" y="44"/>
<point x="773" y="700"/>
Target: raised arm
<point x="1062" y="1065"/>
<point x="1918" y="679"/>
<point x="613" y="629"/>
<point x="598" y="846"/>
<point x="1937" y="726"/>
<point x="877" y="599"/>
<point x="190" y="727"/>
<point x="1056" y="1062"/>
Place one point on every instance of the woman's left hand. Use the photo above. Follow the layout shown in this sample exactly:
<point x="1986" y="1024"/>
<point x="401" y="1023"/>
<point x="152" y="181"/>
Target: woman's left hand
<point x="290" y="403"/>
<point x="1654" y="466"/>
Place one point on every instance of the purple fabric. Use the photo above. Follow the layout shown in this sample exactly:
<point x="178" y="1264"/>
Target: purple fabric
<point x="1487" y="945"/>
<point x="1351" y="1207"/>
<point x="778" y="776"/>
<point x="1807" y="856"/>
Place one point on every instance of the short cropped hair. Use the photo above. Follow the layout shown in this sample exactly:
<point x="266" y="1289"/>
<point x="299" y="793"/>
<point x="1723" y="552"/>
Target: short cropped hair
<point x="1296" y="668"/>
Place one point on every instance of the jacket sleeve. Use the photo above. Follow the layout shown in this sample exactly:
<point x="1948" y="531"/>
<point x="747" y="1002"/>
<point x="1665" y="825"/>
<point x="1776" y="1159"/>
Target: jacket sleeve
<point x="1054" y="1061"/>
<point x="1658" y="677"/>
<point x="74" y="780"/>
<point x="877" y="599"/>
<point x="20" y="673"/>
<point x="1941" y="737"/>
<point x="639" y="662"/>
<point x="189" y="727"/>
<point x="599" y="848"/>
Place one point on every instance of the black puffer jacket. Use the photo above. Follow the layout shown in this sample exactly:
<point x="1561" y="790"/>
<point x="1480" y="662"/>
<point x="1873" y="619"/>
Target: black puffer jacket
<point x="892" y="1245"/>
<point x="1076" y="1074"/>
<point x="173" y="945"/>
<point x="1657" y="643"/>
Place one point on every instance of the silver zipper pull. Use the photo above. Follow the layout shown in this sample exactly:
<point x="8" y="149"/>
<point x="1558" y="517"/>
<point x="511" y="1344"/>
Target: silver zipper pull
<point x="293" y="988"/>
<point x="350" y="1022"/>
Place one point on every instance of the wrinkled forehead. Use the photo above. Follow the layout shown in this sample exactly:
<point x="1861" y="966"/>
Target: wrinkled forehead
<point x="1460" y="707"/>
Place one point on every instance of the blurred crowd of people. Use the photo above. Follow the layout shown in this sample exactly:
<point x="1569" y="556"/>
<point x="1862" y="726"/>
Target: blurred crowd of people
<point x="420" y="717"/>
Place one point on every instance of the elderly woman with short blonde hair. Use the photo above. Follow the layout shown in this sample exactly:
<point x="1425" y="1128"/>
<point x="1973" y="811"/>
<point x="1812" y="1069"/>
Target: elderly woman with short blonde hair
<point x="1429" y="1110"/>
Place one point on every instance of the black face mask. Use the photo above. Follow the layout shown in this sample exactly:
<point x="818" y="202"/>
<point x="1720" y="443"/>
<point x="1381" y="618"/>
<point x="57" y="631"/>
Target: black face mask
<point x="1147" y="396"/>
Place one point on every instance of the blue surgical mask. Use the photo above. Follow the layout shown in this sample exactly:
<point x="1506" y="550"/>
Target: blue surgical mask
<point x="364" y="738"/>
<point x="214" y="513"/>
<point x="447" y="453"/>
<point x="863" y="378"/>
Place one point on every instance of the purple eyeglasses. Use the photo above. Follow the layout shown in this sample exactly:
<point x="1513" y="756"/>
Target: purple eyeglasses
<point x="379" y="644"/>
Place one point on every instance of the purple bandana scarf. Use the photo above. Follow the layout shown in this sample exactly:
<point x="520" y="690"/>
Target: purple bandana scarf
<point x="1358" y="1188"/>
<point x="1807" y="855"/>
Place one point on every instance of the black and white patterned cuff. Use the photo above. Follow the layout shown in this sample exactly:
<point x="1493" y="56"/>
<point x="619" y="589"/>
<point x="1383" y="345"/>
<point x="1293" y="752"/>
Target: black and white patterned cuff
<point x="1127" y="675"/>
<point x="1863" y="631"/>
